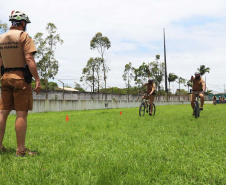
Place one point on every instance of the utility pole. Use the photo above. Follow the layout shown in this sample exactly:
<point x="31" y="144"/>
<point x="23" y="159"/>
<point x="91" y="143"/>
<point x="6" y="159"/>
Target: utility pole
<point x="63" y="87"/>
<point x="166" y="89"/>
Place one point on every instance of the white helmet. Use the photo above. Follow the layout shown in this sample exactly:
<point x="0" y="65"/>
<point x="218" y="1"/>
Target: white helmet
<point x="19" y="16"/>
<point x="197" y="73"/>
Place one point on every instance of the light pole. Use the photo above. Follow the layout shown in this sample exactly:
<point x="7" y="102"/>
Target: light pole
<point x="166" y="90"/>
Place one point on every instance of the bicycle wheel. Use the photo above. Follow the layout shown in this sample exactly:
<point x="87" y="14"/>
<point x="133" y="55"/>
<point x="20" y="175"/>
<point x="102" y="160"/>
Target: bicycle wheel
<point x="142" y="109"/>
<point x="197" y="110"/>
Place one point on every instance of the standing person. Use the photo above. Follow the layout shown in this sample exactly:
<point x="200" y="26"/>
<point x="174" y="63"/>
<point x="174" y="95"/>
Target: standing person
<point x="151" y="93"/>
<point x="17" y="49"/>
<point x="223" y="99"/>
<point x="198" y="86"/>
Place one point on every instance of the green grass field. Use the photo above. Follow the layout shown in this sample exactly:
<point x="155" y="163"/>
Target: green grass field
<point x="104" y="147"/>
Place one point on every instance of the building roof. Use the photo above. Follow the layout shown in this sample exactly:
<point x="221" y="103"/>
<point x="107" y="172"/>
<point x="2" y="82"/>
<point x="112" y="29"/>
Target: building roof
<point x="68" y="89"/>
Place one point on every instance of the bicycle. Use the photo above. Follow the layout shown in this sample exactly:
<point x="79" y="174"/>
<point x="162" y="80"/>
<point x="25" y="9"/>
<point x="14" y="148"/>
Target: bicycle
<point x="145" y="105"/>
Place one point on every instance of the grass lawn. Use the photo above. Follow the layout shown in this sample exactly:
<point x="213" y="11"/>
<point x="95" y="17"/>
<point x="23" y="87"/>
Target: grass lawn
<point x="104" y="147"/>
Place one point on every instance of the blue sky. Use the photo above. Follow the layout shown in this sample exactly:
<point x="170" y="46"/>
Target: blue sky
<point x="195" y="34"/>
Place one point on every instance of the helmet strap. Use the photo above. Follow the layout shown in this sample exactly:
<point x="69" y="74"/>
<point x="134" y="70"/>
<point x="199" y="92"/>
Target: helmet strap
<point x="25" y="25"/>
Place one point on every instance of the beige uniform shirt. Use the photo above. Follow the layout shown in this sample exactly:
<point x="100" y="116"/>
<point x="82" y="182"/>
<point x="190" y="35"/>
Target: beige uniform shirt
<point x="14" y="45"/>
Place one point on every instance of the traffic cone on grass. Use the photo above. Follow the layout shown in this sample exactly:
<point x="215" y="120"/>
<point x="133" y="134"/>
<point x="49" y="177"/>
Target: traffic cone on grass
<point x="120" y="113"/>
<point x="67" y="119"/>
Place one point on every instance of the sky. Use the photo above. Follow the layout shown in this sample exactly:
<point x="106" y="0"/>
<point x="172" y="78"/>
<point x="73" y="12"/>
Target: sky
<point x="195" y="32"/>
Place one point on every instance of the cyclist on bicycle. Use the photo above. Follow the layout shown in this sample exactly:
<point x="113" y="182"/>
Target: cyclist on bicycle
<point x="151" y="93"/>
<point x="198" y="86"/>
<point x="214" y="99"/>
<point x="219" y="99"/>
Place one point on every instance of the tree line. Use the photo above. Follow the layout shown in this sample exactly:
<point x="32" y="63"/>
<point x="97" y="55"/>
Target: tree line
<point x="94" y="74"/>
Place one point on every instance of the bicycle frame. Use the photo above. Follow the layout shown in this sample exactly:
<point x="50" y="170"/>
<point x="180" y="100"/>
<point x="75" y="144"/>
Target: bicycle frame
<point x="145" y="101"/>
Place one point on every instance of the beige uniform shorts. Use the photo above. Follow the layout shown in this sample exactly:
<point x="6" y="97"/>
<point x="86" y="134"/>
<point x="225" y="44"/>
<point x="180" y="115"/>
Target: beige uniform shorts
<point x="16" y="93"/>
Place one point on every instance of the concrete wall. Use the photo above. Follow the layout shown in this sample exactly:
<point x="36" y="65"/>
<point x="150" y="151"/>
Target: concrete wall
<point x="70" y="105"/>
<point x="67" y="95"/>
<point x="67" y="105"/>
<point x="68" y="101"/>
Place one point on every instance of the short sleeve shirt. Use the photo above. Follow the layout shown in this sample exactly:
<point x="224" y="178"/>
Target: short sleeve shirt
<point x="27" y="44"/>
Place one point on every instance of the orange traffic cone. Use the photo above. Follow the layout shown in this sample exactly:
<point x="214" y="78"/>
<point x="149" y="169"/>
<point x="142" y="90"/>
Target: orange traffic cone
<point x="67" y="119"/>
<point x="120" y="113"/>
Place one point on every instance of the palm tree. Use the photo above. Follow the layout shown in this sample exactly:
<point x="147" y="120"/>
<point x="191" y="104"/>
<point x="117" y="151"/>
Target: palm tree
<point x="180" y="81"/>
<point x="189" y="84"/>
<point x="172" y="77"/>
<point x="203" y="70"/>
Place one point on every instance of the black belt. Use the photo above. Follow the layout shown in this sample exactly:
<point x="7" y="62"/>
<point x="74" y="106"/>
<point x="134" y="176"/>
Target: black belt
<point x="14" y="69"/>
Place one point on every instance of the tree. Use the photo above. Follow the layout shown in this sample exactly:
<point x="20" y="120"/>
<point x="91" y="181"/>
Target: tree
<point x="79" y="88"/>
<point x="203" y="70"/>
<point x="180" y="80"/>
<point x="181" y="92"/>
<point x="98" y="62"/>
<point x="47" y="64"/>
<point x="88" y="73"/>
<point x="114" y="90"/>
<point x="3" y="27"/>
<point x="128" y="75"/>
<point x="67" y="86"/>
<point x="101" y="44"/>
<point x="141" y="74"/>
<point x="157" y="71"/>
<point x="208" y="92"/>
<point x="52" y="85"/>
<point x="91" y="73"/>
<point x="189" y="84"/>
<point x="171" y="78"/>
